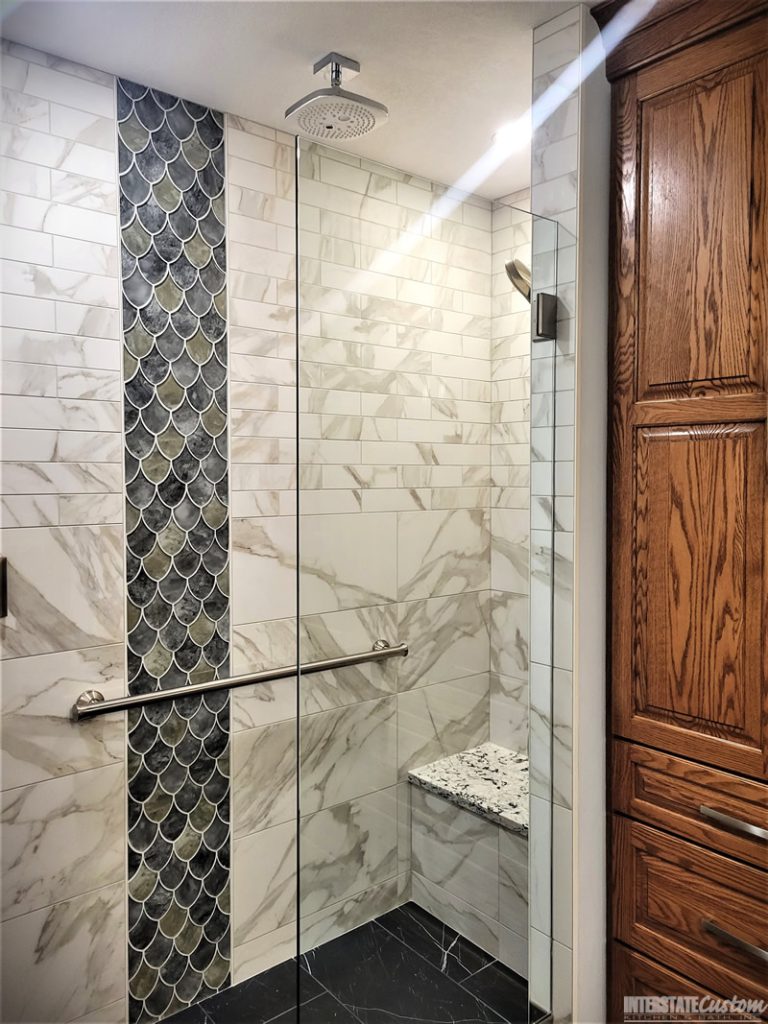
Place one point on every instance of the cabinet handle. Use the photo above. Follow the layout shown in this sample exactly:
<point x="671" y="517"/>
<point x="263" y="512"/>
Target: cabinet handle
<point x="733" y="940"/>
<point x="746" y="827"/>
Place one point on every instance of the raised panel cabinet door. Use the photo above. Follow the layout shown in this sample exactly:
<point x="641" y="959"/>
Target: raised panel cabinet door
<point x="698" y="684"/>
<point x="700" y="326"/>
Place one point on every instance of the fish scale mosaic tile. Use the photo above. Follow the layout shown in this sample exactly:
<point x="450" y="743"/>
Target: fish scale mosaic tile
<point x="173" y="252"/>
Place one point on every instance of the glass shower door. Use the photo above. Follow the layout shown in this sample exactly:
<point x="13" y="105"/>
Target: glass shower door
<point x="426" y="462"/>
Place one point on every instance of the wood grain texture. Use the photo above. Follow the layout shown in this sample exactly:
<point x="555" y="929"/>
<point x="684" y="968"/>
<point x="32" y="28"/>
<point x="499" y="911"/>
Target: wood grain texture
<point x="665" y="889"/>
<point x="695" y="240"/>
<point x="688" y="646"/>
<point x="697" y="601"/>
<point x="636" y="975"/>
<point x="670" y="26"/>
<point x="667" y="791"/>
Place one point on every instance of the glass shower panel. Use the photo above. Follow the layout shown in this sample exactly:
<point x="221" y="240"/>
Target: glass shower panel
<point x="422" y="520"/>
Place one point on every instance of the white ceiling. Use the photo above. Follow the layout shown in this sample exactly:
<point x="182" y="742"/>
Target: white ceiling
<point x="450" y="72"/>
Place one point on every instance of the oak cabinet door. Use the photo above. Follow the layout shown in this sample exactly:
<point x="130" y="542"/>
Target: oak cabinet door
<point x="689" y="504"/>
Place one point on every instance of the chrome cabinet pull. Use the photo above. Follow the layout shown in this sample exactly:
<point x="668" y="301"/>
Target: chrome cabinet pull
<point x="733" y="940"/>
<point x="736" y="824"/>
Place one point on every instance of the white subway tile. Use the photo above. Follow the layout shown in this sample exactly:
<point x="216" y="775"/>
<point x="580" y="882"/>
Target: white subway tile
<point x="66" y="89"/>
<point x="24" y="178"/>
<point x="28" y="313"/>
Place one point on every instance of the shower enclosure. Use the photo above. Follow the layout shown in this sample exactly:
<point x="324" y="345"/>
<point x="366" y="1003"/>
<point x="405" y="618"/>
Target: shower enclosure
<point x="393" y="581"/>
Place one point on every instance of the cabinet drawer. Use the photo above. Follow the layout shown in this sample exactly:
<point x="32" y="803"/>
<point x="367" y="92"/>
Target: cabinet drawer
<point x="701" y="803"/>
<point x="680" y="904"/>
<point x="635" y="975"/>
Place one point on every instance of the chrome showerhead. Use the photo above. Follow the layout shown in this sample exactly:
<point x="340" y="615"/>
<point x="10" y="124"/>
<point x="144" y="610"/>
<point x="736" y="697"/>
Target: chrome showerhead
<point x="333" y="113"/>
<point x="520" y="276"/>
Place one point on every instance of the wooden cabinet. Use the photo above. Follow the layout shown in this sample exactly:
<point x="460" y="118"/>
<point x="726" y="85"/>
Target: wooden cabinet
<point x="690" y="515"/>
<point x="726" y="812"/>
<point x="701" y="914"/>
<point x="636" y="975"/>
<point x="689" y="496"/>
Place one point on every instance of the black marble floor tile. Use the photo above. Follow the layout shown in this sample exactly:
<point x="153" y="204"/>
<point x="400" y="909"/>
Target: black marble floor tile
<point x="502" y="989"/>
<point x="442" y="946"/>
<point x="194" y="1014"/>
<point x="255" y="1001"/>
<point x="381" y="981"/>
<point x="322" y="1010"/>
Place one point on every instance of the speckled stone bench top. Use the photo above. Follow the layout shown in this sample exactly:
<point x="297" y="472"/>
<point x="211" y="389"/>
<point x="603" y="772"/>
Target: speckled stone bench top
<point x="488" y="780"/>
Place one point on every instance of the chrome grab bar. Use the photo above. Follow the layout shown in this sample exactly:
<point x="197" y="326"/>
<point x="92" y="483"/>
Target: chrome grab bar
<point x="733" y="940"/>
<point x="92" y="703"/>
<point x="736" y="824"/>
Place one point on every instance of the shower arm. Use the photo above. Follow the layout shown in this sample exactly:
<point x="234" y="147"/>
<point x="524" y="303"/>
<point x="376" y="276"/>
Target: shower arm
<point x="92" y="703"/>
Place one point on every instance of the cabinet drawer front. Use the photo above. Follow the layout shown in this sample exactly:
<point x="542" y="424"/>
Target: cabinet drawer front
<point x="635" y="975"/>
<point x="711" y="807"/>
<point x="668" y="894"/>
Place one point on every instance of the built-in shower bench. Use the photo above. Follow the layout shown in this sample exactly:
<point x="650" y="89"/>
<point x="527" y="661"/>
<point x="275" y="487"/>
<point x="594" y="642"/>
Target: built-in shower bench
<point x="469" y="847"/>
<point x="488" y="780"/>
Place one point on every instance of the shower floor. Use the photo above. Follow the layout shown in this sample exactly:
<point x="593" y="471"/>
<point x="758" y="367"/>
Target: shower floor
<point x="404" y="966"/>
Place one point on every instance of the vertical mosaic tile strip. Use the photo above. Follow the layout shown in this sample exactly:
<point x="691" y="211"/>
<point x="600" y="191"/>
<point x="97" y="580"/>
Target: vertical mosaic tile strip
<point x="177" y="520"/>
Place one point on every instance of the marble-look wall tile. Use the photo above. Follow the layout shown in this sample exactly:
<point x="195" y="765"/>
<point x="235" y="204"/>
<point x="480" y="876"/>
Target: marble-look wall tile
<point x="509" y="630"/>
<point x="115" y="1013"/>
<point x="514" y="950"/>
<point x="345" y="632"/>
<point x="259" y="954"/>
<point x="263" y="777"/>
<point x="348" y="848"/>
<point x="342" y="917"/>
<point x="472" y="875"/>
<point x="555" y="193"/>
<point x="332" y="573"/>
<point x="448" y="638"/>
<point x="510" y="712"/>
<point x="258" y="646"/>
<point x="442" y="719"/>
<point x="510" y="540"/>
<point x="263" y="569"/>
<point x="38" y="739"/>
<point x="540" y="967"/>
<point x="347" y="752"/>
<point x="64" y="961"/>
<point x="456" y="850"/>
<point x="513" y="882"/>
<point x="264" y="882"/>
<point x="63" y="800"/>
<point x="479" y="928"/>
<point x="510" y="468"/>
<point x="64" y="589"/>
<point x="562" y="738"/>
<point x="442" y="553"/>
<point x="562" y="875"/>
<point x="61" y="838"/>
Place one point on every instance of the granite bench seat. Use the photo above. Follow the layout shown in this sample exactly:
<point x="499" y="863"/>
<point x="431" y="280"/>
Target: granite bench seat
<point x="489" y="780"/>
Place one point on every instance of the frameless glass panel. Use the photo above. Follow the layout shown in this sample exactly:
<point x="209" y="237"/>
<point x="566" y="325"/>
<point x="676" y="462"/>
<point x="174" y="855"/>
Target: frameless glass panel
<point x="425" y="499"/>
